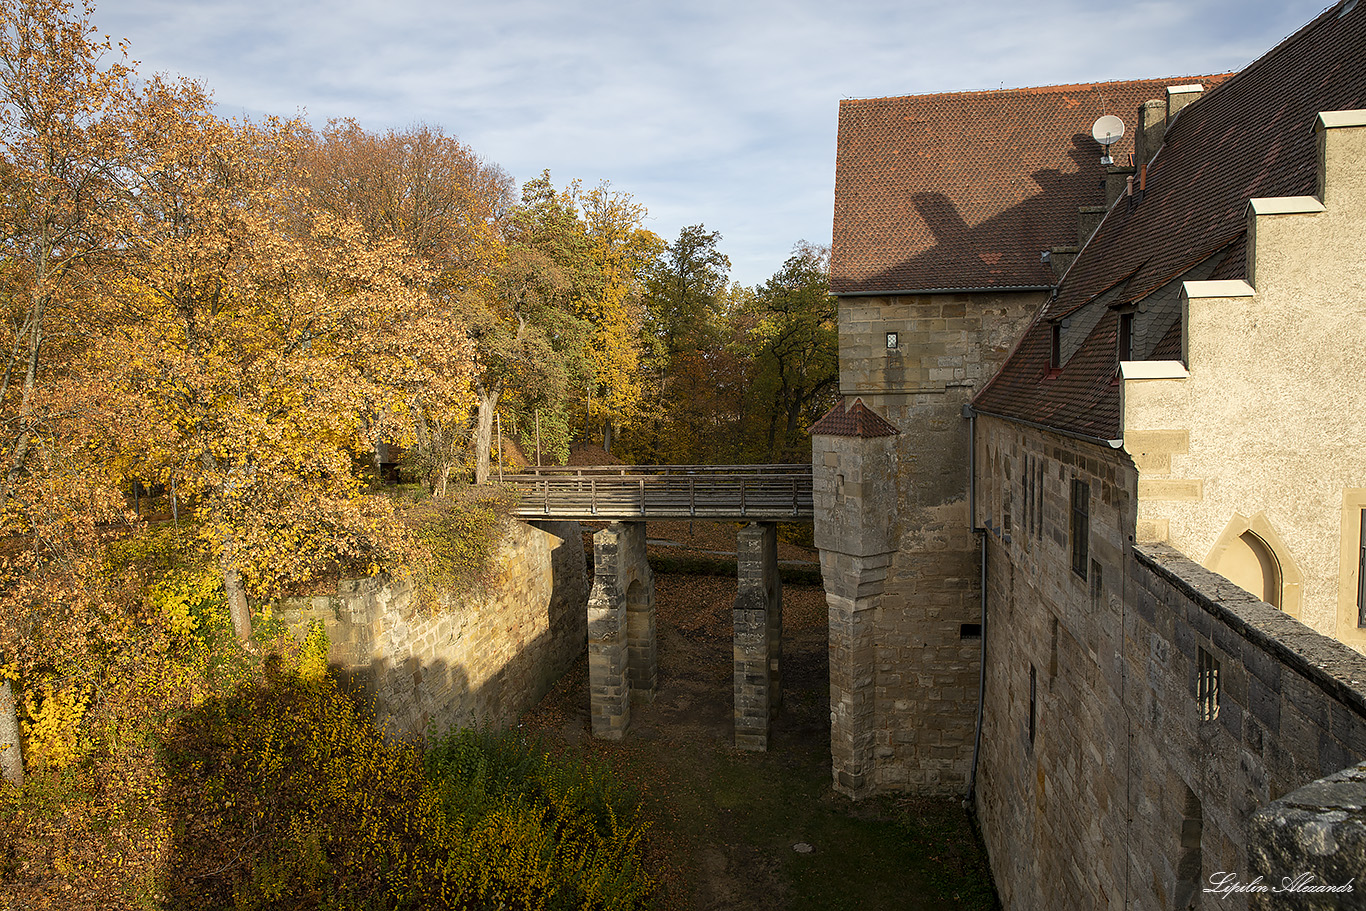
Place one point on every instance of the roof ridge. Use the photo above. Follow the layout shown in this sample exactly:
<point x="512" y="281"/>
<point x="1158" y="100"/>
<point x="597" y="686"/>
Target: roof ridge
<point x="1045" y="89"/>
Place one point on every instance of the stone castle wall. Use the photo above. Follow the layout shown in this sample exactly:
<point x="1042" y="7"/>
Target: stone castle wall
<point x="480" y="659"/>
<point x="904" y="608"/>
<point x="1106" y="780"/>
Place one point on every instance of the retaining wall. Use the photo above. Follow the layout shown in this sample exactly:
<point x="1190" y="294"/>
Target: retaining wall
<point x="481" y="658"/>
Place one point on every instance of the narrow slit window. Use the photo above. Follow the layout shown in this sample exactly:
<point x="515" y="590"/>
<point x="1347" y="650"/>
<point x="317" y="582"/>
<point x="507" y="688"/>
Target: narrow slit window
<point x="1038" y="499"/>
<point x="1033" y="692"/>
<point x="1081" y="526"/>
<point x="1361" y="573"/>
<point x="1055" y="347"/>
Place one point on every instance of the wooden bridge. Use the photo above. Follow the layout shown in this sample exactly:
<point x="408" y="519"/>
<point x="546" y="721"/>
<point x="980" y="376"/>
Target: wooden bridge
<point x="622" y="651"/>
<point x="633" y="493"/>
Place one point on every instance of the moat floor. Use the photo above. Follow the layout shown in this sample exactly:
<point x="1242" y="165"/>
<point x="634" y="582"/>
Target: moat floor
<point x="757" y="831"/>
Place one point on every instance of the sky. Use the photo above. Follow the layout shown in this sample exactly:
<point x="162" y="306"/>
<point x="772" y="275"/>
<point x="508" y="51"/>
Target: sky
<point x="714" y="112"/>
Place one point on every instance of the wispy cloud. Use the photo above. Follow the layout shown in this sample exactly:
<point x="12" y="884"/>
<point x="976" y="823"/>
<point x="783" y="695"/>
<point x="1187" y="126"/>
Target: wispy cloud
<point x="717" y="111"/>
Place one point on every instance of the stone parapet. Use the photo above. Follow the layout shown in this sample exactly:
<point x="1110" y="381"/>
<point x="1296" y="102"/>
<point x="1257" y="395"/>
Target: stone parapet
<point x="1308" y="849"/>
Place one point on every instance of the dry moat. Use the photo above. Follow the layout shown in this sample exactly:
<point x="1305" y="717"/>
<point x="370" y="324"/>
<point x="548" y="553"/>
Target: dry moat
<point x="742" y="830"/>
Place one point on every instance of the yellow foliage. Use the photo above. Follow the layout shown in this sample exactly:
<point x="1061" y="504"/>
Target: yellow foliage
<point x="52" y="726"/>
<point x="313" y="656"/>
<point x="174" y="598"/>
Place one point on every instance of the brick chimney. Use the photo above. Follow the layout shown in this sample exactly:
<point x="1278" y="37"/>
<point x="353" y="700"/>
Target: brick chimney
<point x="1152" y="127"/>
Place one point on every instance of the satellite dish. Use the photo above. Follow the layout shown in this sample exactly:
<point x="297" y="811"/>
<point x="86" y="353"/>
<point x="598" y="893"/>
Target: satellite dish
<point x="1106" y="131"/>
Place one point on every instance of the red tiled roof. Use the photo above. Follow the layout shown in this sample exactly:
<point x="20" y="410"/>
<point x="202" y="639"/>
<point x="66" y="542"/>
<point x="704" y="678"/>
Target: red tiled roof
<point x="1251" y="137"/>
<point x="855" y="421"/>
<point x="966" y="190"/>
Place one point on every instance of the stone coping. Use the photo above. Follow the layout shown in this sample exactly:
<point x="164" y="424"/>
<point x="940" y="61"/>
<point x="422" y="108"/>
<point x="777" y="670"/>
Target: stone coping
<point x="1337" y="669"/>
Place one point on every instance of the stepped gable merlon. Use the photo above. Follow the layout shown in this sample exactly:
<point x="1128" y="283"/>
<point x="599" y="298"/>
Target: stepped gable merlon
<point x="966" y="190"/>
<point x="1252" y="136"/>
<point x="855" y="421"/>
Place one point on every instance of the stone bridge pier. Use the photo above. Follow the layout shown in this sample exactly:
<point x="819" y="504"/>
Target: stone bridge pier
<point x="758" y="621"/>
<point x="623" y="666"/>
<point x="622" y="659"/>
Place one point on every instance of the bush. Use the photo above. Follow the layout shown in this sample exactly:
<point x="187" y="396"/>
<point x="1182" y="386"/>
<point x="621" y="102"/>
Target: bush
<point x="458" y="537"/>
<point x="560" y="834"/>
<point x="287" y="796"/>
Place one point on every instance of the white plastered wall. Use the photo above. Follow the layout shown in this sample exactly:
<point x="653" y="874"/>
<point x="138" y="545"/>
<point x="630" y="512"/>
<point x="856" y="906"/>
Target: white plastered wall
<point x="1265" y="423"/>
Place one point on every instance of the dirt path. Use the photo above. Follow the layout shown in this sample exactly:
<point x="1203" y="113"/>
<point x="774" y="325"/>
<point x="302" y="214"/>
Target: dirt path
<point x="731" y="828"/>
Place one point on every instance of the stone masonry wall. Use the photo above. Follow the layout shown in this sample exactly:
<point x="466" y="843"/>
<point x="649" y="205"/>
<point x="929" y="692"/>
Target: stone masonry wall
<point x="758" y="644"/>
<point x="1109" y="777"/>
<point x="481" y="659"/>
<point x="915" y="643"/>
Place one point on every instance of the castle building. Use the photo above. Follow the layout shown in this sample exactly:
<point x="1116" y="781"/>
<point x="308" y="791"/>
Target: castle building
<point x="1092" y="514"/>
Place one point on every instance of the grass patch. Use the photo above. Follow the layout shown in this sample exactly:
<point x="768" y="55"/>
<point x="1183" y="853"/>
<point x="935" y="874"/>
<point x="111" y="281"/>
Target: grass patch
<point x="878" y="853"/>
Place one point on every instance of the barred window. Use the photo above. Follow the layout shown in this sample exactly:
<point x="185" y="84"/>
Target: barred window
<point x="1207" y="686"/>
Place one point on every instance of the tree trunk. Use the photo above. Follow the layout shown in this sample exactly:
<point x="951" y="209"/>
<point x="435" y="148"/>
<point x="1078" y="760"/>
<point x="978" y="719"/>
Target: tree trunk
<point x="238" y="609"/>
<point x="483" y="432"/>
<point x="11" y="754"/>
<point x="794" y="411"/>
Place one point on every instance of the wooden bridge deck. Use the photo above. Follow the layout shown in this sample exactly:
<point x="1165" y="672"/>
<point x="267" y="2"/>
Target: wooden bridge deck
<point x="733" y="493"/>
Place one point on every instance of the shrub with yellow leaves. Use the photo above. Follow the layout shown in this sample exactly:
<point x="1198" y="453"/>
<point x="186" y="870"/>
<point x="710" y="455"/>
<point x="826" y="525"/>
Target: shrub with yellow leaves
<point x="53" y="738"/>
<point x="287" y="795"/>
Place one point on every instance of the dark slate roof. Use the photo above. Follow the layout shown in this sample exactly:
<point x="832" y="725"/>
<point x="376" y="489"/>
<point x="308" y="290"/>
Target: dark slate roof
<point x="965" y="190"/>
<point x="855" y="421"/>
<point x="1252" y="136"/>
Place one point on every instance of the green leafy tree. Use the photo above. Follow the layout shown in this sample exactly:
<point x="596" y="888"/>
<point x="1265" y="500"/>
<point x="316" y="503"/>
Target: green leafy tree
<point x="795" y="343"/>
<point x="529" y="342"/>
<point x="685" y="325"/>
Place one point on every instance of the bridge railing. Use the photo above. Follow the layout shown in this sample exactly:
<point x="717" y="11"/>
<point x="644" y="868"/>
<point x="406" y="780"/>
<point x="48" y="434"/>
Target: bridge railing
<point x="724" y="492"/>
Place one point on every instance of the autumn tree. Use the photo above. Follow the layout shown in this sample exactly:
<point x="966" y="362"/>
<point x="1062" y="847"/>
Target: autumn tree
<point x="229" y="344"/>
<point x="795" y="344"/>
<point x="58" y="149"/>
<point x="430" y="194"/>
<point x="622" y="252"/>
<point x="57" y="155"/>
<point x="562" y="332"/>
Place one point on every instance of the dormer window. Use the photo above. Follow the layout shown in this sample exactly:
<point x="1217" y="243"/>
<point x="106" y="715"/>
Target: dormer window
<point x="1055" y="347"/>
<point x="1126" y="336"/>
